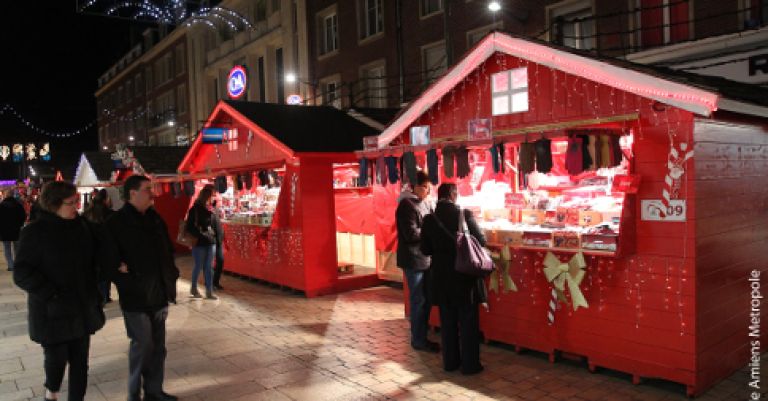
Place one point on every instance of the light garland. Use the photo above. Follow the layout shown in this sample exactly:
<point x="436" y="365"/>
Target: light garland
<point x="8" y="108"/>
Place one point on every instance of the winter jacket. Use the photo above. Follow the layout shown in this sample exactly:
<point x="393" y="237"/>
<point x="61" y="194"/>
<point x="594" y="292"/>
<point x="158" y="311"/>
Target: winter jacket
<point x="97" y="213"/>
<point x="408" y="217"/>
<point x="57" y="265"/>
<point x="12" y="218"/>
<point x="216" y="222"/>
<point x="200" y="224"/>
<point x="142" y="242"/>
<point x="446" y="286"/>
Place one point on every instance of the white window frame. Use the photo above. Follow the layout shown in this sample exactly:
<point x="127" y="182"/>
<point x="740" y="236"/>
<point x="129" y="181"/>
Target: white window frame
<point x="569" y="8"/>
<point x="324" y="47"/>
<point x="427" y="75"/>
<point x="637" y="37"/>
<point x="365" y="32"/>
<point x="510" y="93"/>
<point x="380" y="100"/>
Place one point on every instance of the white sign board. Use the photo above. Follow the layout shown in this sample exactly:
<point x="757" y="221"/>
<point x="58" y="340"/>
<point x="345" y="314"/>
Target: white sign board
<point x="654" y="210"/>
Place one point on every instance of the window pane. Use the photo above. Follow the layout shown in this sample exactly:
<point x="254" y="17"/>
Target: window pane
<point x="519" y="102"/>
<point x="501" y="104"/>
<point x="519" y="78"/>
<point x="500" y="82"/>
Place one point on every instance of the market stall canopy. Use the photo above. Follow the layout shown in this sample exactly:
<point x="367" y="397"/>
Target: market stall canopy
<point x="264" y="133"/>
<point x="159" y="160"/>
<point x="694" y="93"/>
<point x="94" y="169"/>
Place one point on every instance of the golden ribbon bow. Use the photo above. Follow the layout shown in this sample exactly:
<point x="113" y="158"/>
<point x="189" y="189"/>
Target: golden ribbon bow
<point x="502" y="259"/>
<point x="572" y="273"/>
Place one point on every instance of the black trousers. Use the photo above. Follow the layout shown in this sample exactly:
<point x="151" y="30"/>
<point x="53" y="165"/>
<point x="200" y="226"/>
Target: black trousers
<point x="146" y="357"/>
<point x="218" y="265"/>
<point x="57" y="356"/>
<point x="460" y="332"/>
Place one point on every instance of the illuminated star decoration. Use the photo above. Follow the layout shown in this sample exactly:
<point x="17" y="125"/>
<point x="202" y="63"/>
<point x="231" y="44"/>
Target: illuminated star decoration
<point x="171" y="12"/>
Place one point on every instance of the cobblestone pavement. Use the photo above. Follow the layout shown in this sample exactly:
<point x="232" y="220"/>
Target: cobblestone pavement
<point x="262" y="343"/>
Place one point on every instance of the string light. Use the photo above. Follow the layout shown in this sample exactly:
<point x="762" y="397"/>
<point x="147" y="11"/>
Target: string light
<point x="68" y="134"/>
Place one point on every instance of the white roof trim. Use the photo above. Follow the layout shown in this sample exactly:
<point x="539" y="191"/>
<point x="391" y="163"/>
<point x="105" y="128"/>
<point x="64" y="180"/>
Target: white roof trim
<point x="686" y="97"/>
<point x="743" y="108"/>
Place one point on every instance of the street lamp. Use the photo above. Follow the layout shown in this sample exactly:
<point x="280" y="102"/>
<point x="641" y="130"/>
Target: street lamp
<point x="131" y="138"/>
<point x="290" y="77"/>
<point x="494" y="6"/>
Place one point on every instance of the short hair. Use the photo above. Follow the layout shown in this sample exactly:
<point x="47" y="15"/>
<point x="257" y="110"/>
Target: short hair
<point x="421" y="178"/>
<point x="132" y="183"/>
<point x="205" y="194"/>
<point x="101" y="196"/>
<point x="54" y="193"/>
<point x="446" y="190"/>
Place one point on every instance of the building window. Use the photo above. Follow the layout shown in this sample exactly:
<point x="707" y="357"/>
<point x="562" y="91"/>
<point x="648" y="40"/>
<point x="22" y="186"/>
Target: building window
<point x="332" y="94"/>
<point x="181" y="59"/>
<point x="754" y="13"/>
<point x="181" y="99"/>
<point x="329" y="37"/>
<point x="661" y="22"/>
<point x="262" y="81"/>
<point x="429" y="7"/>
<point x="370" y="18"/>
<point x="139" y="85"/>
<point x="373" y="87"/>
<point x="260" y="11"/>
<point x="509" y="91"/>
<point x="572" y="24"/>
<point x="275" y="6"/>
<point x="433" y="62"/>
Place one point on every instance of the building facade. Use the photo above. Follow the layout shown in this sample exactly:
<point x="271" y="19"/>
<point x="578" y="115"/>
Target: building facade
<point x="144" y="99"/>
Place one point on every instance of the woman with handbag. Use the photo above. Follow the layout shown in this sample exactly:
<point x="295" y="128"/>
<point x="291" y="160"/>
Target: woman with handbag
<point x="200" y="225"/>
<point x="57" y="266"/>
<point x="457" y="295"/>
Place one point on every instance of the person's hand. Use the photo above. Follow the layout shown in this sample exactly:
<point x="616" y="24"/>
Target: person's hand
<point x="485" y="306"/>
<point x="123" y="268"/>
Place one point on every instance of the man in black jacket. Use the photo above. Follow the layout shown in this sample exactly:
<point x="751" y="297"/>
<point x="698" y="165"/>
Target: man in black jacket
<point x="409" y="216"/>
<point x="145" y="275"/>
<point x="12" y="218"/>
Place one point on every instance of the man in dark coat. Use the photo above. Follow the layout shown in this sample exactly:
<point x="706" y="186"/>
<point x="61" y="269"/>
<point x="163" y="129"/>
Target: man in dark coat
<point x="409" y="215"/>
<point x="12" y="218"/>
<point x="145" y="274"/>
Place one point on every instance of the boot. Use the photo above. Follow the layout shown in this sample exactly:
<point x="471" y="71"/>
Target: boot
<point x="209" y="295"/>
<point x="195" y="293"/>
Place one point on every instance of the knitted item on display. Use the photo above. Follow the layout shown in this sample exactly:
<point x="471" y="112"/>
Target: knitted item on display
<point x="220" y="183"/>
<point x="362" y="178"/>
<point x="392" y="169"/>
<point x="574" y="156"/>
<point x="543" y="155"/>
<point x="527" y="158"/>
<point x="494" y="158"/>
<point x="448" y="153"/>
<point x="462" y="162"/>
<point x="432" y="166"/>
<point x="189" y="188"/>
<point x="381" y="171"/>
<point x="409" y="164"/>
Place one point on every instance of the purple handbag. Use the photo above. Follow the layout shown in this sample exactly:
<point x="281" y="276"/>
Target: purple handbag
<point x="471" y="257"/>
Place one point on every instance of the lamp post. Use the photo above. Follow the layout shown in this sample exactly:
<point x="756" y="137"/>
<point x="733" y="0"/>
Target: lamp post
<point x="494" y="7"/>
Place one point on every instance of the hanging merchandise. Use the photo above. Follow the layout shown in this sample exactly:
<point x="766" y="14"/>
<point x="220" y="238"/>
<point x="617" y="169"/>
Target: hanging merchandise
<point x="604" y="148"/>
<point x="594" y="156"/>
<point x="409" y="165"/>
<point x="263" y="178"/>
<point x="494" y="158"/>
<point x="381" y="171"/>
<point x="189" y="188"/>
<point x="527" y="158"/>
<point x="176" y="189"/>
<point x="501" y="156"/>
<point x="432" y="166"/>
<point x="238" y="179"/>
<point x="448" y="153"/>
<point x="362" y="177"/>
<point x="248" y="180"/>
<point x="616" y="154"/>
<point x="462" y="162"/>
<point x="543" y="155"/>
<point x="392" y="169"/>
<point x="220" y="183"/>
<point x="574" y="155"/>
<point x="586" y="158"/>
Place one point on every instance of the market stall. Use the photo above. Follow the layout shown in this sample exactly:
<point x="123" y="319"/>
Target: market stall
<point x="625" y="206"/>
<point x="274" y="167"/>
<point x="94" y="171"/>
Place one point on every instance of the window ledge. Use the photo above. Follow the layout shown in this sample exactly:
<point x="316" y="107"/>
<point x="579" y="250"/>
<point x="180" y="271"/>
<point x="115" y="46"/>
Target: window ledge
<point x="328" y="55"/>
<point x="371" y="38"/>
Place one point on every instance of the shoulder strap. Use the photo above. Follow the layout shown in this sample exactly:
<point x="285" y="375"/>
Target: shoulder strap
<point x="462" y="222"/>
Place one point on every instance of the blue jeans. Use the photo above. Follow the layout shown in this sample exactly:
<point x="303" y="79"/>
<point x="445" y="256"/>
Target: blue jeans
<point x="417" y="298"/>
<point x="203" y="256"/>
<point x="9" y="248"/>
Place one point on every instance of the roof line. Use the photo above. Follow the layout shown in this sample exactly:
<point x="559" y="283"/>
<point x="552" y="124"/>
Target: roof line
<point x="742" y="108"/>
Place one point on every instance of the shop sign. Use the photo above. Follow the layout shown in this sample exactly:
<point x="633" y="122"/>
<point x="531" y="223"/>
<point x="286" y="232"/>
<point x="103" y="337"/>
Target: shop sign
<point x="420" y="135"/>
<point x="294" y="99"/>
<point x="480" y="129"/>
<point x="626" y="183"/>
<point x="654" y="210"/>
<point x="236" y="82"/>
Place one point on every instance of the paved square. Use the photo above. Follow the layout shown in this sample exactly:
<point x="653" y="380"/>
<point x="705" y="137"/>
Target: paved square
<point x="262" y="343"/>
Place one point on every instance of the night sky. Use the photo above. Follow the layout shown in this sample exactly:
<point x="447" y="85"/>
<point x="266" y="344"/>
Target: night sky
<point x="52" y="57"/>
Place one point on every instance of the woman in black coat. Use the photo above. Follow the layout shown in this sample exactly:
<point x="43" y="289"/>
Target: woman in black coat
<point x="56" y="266"/>
<point x="97" y="213"/>
<point x="200" y="224"/>
<point x="457" y="295"/>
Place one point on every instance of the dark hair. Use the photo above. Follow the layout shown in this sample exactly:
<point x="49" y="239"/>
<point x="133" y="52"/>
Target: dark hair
<point x="421" y="178"/>
<point x="132" y="183"/>
<point x="54" y="193"/>
<point x="101" y="196"/>
<point x="446" y="190"/>
<point x="205" y="194"/>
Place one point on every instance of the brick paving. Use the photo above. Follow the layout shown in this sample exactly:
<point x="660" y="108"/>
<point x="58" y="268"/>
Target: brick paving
<point x="263" y="343"/>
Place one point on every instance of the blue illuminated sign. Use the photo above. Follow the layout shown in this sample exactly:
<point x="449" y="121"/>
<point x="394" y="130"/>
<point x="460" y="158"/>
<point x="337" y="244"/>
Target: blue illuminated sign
<point x="237" y="81"/>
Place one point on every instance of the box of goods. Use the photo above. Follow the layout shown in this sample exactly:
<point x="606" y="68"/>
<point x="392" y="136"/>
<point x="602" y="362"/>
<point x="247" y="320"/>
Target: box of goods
<point x="565" y="239"/>
<point x="495" y="214"/>
<point x="600" y="242"/>
<point x="613" y="216"/>
<point x="537" y="238"/>
<point x="589" y="217"/>
<point x="513" y="238"/>
<point x="532" y="216"/>
<point x="567" y="215"/>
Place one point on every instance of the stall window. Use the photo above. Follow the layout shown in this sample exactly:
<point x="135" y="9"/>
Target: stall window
<point x="510" y="91"/>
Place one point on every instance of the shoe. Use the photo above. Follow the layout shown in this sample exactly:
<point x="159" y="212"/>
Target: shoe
<point x="211" y="296"/>
<point x="194" y="293"/>
<point x="218" y="287"/>
<point x="474" y="371"/>
<point x="161" y="397"/>
<point x="429" y="346"/>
